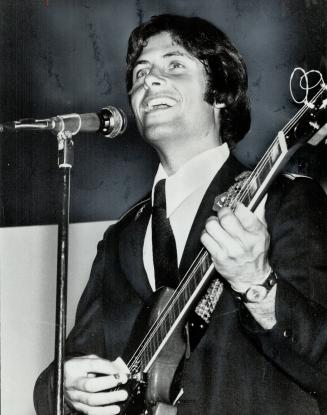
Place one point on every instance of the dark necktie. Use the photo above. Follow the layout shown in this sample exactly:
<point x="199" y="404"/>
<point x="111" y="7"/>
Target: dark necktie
<point x="163" y="241"/>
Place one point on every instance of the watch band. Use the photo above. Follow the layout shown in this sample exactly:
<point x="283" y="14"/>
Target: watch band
<point x="258" y="292"/>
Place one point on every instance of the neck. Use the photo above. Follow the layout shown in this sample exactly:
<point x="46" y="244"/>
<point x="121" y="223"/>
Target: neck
<point x="173" y="158"/>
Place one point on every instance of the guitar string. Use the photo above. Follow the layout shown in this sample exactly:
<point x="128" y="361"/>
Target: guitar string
<point x="177" y="294"/>
<point x="164" y="317"/>
<point x="180" y="290"/>
<point x="240" y="195"/>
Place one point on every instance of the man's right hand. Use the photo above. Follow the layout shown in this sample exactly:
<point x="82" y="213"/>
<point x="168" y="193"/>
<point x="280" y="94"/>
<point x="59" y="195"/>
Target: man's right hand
<point x="88" y="393"/>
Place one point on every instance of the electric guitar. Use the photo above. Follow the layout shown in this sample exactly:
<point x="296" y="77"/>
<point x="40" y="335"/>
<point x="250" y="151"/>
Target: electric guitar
<point x="160" y="350"/>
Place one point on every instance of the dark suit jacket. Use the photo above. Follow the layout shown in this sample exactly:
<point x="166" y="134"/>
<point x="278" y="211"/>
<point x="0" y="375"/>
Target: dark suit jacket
<point x="237" y="368"/>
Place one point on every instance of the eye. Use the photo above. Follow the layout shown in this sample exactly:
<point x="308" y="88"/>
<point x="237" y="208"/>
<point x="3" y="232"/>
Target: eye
<point x="175" y="65"/>
<point x="141" y="73"/>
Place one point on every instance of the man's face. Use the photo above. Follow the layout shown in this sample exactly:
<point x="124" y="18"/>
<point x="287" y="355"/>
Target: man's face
<point x="168" y="92"/>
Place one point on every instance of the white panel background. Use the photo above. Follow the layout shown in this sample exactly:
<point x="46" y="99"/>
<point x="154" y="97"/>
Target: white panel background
<point x="28" y="280"/>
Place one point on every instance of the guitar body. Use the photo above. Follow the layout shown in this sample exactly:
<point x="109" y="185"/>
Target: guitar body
<point x="154" y="394"/>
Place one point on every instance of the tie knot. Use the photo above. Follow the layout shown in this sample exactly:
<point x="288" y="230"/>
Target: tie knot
<point x="159" y="197"/>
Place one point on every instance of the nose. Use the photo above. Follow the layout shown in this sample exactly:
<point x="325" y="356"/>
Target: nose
<point x="153" y="79"/>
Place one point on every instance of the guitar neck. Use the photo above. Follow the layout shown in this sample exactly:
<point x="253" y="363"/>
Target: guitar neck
<point x="299" y="130"/>
<point x="250" y="194"/>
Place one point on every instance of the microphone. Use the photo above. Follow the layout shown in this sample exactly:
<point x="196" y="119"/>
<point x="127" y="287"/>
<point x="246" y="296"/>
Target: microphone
<point x="110" y="122"/>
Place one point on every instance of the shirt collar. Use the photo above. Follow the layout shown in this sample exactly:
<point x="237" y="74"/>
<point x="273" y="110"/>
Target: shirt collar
<point x="195" y="173"/>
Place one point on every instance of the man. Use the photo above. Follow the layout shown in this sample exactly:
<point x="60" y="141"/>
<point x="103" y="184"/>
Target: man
<point x="263" y="351"/>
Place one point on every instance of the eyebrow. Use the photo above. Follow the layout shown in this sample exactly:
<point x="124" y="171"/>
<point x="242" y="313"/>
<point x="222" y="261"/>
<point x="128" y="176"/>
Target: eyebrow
<point x="166" y="55"/>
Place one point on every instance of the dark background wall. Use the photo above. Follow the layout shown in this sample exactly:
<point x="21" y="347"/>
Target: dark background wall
<point x="69" y="56"/>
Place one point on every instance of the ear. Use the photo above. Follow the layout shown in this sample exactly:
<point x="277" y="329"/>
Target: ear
<point x="219" y="105"/>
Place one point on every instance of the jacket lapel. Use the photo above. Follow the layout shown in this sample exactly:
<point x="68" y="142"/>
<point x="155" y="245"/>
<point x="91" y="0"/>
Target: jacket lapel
<point x="220" y="183"/>
<point x="132" y="236"/>
<point x="131" y="248"/>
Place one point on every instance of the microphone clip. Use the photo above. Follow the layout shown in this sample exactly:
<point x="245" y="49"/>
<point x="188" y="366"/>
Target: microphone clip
<point x="65" y="149"/>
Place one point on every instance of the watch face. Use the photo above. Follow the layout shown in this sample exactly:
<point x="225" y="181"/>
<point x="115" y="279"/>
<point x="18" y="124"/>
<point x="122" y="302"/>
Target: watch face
<point x="256" y="294"/>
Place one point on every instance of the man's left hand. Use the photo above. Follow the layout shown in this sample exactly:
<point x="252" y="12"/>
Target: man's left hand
<point x="238" y="243"/>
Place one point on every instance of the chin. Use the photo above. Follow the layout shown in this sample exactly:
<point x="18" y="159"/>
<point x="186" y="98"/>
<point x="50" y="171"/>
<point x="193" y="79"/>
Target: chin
<point x="154" y="137"/>
<point x="156" y="133"/>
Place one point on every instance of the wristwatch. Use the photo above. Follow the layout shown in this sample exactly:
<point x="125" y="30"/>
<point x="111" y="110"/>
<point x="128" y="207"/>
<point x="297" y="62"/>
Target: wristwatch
<point x="258" y="292"/>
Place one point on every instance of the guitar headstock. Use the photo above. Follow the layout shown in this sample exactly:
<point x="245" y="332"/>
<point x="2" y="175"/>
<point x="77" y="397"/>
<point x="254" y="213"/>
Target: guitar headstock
<point x="309" y="124"/>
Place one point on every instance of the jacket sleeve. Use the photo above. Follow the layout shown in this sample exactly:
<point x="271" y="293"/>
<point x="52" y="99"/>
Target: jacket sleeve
<point x="296" y="214"/>
<point x="85" y="338"/>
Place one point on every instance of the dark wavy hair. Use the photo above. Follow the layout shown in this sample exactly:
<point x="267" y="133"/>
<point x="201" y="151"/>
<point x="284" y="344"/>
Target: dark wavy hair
<point x="225" y="67"/>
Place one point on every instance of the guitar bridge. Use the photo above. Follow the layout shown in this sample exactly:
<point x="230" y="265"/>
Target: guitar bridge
<point x="139" y="377"/>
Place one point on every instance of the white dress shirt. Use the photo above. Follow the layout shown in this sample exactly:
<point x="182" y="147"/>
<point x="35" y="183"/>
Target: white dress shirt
<point x="184" y="192"/>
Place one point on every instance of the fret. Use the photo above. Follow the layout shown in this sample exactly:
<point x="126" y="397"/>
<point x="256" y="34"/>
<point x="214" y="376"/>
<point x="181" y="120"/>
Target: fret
<point x="252" y="187"/>
<point x="171" y="317"/>
<point x="265" y="170"/>
<point x="188" y="291"/>
<point x="147" y="354"/>
<point x="275" y="152"/>
<point x="193" y="283"/>
<point x="207" y="259"/>
<point x="157" y="339"/>
<point x="143" y="363"/>
<point x="186" y="295"/>
<point x="180" y="304"/>
<point x="246" y="199"/>
<point x="201" y="271"/>
<point x="166" y="325"/>
<point x="203" y="266"/>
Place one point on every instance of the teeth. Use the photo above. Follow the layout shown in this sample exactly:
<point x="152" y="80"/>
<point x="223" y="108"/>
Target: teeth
<point x="161" y="102"/>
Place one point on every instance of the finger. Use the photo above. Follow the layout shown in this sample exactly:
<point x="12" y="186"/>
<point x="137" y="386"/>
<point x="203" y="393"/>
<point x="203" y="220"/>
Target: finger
<point x="98" y="365"/>
<point x="89" y="364"/>
<point x="99" y="383"/>
<point x="120" y="365"/>
<point x="247" y="219"/>
<point x="214" y="229"/>
<point x="224" y="239"/>
<point x="217" y="253"/>
<point x="229" y="222"/>
<point x="100" y="410"/>
<point x="97" y="399"/>
<point x="101" y="366"/>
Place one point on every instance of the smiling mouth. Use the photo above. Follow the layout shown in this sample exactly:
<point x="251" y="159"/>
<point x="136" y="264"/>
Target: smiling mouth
<point x="160" y="103"/>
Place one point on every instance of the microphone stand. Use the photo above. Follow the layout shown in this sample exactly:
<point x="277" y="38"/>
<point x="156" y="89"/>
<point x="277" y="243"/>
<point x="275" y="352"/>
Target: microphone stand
<point x="65" y="163"/>
<point x="110" y="121"/>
